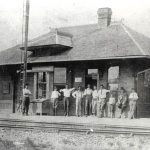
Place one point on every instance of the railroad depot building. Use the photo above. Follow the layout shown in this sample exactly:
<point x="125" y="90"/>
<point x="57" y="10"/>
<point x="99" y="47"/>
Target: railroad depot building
<point x="108" y="53"/>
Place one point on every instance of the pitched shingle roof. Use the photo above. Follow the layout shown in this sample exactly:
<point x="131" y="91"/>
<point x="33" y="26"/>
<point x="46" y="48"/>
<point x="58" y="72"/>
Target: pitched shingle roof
<point x="90" y="43"/>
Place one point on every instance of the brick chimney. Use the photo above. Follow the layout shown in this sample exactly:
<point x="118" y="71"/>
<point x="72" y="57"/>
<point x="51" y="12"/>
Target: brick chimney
<point x="104" y="17"/>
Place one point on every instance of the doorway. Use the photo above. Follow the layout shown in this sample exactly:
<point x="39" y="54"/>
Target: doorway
<point x="91" y="77"/>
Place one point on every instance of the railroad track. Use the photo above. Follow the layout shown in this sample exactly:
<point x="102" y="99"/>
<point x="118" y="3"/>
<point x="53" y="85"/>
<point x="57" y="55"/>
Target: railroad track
<point x="73" y="127"/>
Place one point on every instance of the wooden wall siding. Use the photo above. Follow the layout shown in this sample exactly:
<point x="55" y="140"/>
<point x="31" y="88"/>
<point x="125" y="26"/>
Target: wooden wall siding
<point x="6" y="93"/>
<point x="5" y="77"/>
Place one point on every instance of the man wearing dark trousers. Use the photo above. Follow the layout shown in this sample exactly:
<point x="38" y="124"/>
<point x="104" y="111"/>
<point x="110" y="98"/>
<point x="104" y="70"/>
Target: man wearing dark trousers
<point x="88" y="100"/>
<point x="26" y="99"/>
<point x="67" y="93"/>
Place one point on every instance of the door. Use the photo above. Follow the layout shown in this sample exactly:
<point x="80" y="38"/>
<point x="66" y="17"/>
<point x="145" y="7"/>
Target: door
<point x="143" y="89"/>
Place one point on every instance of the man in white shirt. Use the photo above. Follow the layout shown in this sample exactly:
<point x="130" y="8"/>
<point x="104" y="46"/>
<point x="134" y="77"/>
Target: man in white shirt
<point x="94" y="100"/>
<point x="78" y="95"/>
<point x="133" y="97"/>
<point x="54" y="99"/>
<point x="101" y="101"/>
<point x="26" y="99"/>
<point x="88" y="100"/>
<point x="67" y="94"/>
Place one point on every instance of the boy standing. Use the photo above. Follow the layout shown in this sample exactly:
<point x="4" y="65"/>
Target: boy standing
<point x="133" y="97"/>
<point x="54" y="99"/>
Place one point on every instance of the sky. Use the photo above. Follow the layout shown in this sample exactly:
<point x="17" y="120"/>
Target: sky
<point x="46" y="14"/>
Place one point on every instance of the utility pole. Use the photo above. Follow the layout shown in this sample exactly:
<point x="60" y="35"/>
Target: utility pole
<point x="26" y="42"/>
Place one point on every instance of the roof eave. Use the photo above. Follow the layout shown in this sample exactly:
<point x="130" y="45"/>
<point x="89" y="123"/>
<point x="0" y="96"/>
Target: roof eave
<point x="107" y="58"/>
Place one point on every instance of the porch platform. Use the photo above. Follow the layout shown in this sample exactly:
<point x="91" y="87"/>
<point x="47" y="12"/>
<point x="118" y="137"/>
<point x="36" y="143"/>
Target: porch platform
<point x="90" y="120"/>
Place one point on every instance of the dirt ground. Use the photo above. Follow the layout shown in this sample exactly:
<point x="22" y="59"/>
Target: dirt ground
<point x="13" y="139"/>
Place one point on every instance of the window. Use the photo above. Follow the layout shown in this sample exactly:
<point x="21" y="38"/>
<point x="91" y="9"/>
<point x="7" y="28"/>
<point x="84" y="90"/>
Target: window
<point x="60" y="75"/>
<point x="41" y="85"/>
<point x="60" y="78"/>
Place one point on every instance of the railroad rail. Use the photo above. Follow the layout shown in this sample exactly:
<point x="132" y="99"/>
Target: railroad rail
<point x="73" y="127"/>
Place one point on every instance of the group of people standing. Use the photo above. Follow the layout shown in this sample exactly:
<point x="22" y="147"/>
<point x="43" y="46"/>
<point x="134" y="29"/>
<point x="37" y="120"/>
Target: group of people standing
<point x="95" y="101"/>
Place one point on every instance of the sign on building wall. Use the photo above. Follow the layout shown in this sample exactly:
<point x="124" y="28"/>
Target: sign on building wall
<point x="78" y="79"/>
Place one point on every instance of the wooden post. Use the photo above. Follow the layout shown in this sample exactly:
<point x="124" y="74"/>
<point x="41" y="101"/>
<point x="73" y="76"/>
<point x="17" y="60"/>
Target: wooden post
<point x="35" y="85"/>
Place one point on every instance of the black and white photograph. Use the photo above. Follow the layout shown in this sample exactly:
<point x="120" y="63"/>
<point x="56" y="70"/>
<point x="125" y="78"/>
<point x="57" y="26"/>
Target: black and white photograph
<point x="74" y="75"/>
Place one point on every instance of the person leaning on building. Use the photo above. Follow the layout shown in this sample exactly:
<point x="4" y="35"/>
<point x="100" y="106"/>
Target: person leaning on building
<point x="122" y="102"/>
<point x="67" y="94"/>
<point x="94" y="100"/>
<point x="133" y="97"/>
<point x="54" y="99"/>
<point x="88" y="100"/>
<point x="101" y="104"/>
<point x="78" y="95"/>
<point x="26" y="99"/>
